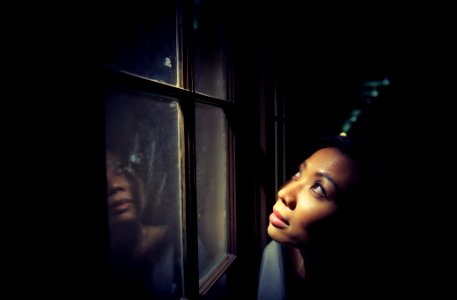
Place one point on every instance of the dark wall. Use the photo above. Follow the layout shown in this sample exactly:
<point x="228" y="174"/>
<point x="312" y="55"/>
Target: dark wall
<point x="319" y="59"/>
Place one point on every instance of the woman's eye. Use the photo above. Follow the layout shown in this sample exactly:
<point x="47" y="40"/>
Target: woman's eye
<point x="122" y="170"/>
<point x="296" y="176"/>
<point x="319" y="190"/>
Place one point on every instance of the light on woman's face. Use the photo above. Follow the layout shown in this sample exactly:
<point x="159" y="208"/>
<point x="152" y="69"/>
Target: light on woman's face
<point x="309" y="197"/>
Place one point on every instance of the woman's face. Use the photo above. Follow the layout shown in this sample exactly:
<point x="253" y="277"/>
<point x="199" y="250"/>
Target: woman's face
<point x="122" y="202"/>
<point x="309" y="197"/>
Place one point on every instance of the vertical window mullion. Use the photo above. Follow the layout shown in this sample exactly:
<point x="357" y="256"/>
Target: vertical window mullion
<point x="190" y="204"/>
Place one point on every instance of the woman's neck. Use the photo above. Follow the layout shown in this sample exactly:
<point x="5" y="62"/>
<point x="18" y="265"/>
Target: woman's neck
<point x="297" y="261"/>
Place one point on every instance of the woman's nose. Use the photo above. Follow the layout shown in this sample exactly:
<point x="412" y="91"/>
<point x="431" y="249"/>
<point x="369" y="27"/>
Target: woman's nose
<point x="288" y="195"/>
<point x="115" y="184"/>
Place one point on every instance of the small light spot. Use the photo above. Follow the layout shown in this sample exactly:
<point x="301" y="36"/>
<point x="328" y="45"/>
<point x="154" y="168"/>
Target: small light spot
<point x="167" y="62"/>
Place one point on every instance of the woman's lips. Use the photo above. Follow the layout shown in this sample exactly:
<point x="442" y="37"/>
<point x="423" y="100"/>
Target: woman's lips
<point x="121" y="206"/>
<point x="277" y="220"/>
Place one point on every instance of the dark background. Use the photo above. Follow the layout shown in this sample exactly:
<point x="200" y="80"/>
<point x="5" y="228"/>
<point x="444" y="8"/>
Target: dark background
<point x="58" y="245"/>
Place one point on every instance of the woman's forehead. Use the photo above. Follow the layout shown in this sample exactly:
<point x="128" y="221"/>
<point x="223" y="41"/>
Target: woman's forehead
<point x="334" y="163"/>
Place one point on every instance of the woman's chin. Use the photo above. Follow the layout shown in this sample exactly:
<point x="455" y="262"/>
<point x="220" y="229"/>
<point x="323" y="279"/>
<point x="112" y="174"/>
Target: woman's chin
<point x="277" y="234"/>
<point x="127" y="217"/>
<point x="283" y="237"/>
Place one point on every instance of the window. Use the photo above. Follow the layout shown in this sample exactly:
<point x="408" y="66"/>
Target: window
<point x="210" y="67"/>
<point x="143" y="41"/>
<point x="144" y="194"/>
<point x="169" y="150"/>
<point x="212" y="157"/>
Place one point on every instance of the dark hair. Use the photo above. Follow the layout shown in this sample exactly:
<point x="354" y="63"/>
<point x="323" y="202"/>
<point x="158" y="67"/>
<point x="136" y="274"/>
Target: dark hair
<point x="357" y="149"/>
<point x="343" y="240"/>
<point x="352" y="147"/>
<point x="353" y="204"/>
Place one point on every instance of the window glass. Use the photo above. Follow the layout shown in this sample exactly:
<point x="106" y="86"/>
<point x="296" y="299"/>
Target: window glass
<point x="210" y="49"/>
<point x="143" y="41"/>
<point x="144" y="194"/>
<point x="212" y="191"/>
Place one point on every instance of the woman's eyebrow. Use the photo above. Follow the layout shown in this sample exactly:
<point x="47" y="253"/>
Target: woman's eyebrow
<point x="329" y="178"/>
<point x="322" y="174"/>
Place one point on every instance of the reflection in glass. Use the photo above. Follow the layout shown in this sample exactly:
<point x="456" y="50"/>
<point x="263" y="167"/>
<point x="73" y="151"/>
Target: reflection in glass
<point x="212" y="191"/>
<point x="143" y="168"/>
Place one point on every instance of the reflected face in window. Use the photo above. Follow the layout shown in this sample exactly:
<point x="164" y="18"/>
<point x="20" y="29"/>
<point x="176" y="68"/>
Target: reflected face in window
<point x="123" y="190"/>
<point x="309" y="197"/>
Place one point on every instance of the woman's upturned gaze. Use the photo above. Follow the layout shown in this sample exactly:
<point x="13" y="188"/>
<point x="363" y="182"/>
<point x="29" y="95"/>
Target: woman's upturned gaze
<point x="309" y="255"/>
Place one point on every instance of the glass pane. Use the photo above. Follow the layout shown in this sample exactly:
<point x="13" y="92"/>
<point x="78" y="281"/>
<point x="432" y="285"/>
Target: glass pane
<point x="143" y="41"/>
<point x="143" y="159"/>
<point x="212" y="191"/>
<point x="210" y="49"/>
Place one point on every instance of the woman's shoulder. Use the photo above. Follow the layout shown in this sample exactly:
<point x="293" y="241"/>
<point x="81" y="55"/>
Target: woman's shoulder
<point x="152" y="239"/>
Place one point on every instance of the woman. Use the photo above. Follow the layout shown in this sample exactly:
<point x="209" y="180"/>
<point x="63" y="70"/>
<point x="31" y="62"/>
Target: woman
<point x="311" y="225"/>
<point x="126" y="201"/>
<point x="141" y="255"/>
